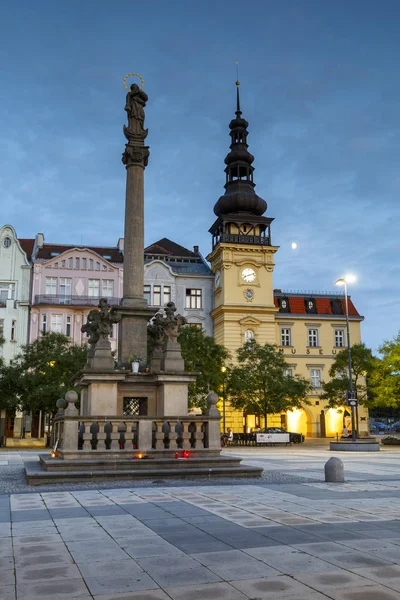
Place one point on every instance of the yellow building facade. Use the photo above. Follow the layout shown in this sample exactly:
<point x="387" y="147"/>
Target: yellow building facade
<point x="309" y="329"/>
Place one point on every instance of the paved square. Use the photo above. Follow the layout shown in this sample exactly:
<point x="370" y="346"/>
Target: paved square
<point x="303" y="540"/>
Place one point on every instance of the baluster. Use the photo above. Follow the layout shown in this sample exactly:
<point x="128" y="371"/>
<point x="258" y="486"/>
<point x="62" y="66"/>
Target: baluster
<point x="198" y="435"/>
<point x="173" y="437"/>
<point x="101" y="436"/>
<point x="186" y="436"/>
<point x="114" y="446"/>
<point x="159" y="435"/>
<point x="87" y="437"/>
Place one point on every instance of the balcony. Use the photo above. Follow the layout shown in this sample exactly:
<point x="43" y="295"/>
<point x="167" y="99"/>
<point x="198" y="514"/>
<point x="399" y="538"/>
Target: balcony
<point x="53" y="299"/>
<point x="244" y="239"/>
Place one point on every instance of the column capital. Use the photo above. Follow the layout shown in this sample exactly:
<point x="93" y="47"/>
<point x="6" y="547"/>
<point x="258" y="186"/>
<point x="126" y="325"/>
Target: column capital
<point x="136" y="156"/>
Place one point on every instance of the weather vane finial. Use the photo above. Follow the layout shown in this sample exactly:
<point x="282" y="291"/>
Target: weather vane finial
<point x="237" y="73"/>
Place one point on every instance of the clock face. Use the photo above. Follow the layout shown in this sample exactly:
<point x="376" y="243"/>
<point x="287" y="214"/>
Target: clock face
<point x="248" y="275"/>
<point x="217" y="279"/>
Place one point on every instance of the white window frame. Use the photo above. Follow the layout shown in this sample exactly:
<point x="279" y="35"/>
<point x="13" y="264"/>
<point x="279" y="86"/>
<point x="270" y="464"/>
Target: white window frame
<point x="147" y="293"/>
<point x="44" y="324"/>
<point x="286" y="337"/>
<point x="51" y="286"/>
<point x="13" y="334"/>
<point x="157" y="289"/>
<point x="313" y="337"/>
<point x="94" y="286"/>
<point x="166" y="294"/>
<point x="339" y="333"/>
<point x="68" y="325"/>
<point x="194" y="298"/>
<point x="289" y="372"/>
<point x="315" y="377"/>
<point x="65" y="290"/>
<point x="57" y="323"/>
<point x="107" y="288"/>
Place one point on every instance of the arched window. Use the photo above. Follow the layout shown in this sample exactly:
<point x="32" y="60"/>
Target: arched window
<point x="248" y="335"/>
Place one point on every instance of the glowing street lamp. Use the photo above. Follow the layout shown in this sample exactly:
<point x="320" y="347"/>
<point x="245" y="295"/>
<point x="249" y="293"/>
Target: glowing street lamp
<point x="223" y="371"/>
<point x="352" y="400"/>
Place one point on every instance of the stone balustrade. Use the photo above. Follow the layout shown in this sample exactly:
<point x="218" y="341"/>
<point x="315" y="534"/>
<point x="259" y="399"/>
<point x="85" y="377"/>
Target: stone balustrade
<point x="116" y="433"/>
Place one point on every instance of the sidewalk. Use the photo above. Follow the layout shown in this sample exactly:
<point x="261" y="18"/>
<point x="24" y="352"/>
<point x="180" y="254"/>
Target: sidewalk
<point x="24" y="444"/>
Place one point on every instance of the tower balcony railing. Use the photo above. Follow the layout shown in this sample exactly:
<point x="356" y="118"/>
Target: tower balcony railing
<point x="257" y="240"/>
<point x="62" y="300"/>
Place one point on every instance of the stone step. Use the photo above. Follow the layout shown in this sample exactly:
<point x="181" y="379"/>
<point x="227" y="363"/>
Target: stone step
<point x="129" y="463"/>
<point x="37" y="475"/>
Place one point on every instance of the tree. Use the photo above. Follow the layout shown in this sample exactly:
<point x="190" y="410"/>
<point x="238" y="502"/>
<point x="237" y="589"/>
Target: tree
<point x="204" y="356"/>
<point x="362" y="364"/>
<point x="42" y="373"/>
<point x="260" y="381"/>
<point x="384" y="379"/>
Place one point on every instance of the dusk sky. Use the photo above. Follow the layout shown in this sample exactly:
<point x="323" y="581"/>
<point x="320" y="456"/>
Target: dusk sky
<point x="320" y="89"/>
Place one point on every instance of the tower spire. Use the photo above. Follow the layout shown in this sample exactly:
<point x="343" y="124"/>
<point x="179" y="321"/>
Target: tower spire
<point x="239" y="195"/>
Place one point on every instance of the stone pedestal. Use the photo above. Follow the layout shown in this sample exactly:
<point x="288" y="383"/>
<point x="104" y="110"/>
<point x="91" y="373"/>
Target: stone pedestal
<point x="102" y="360"/>
<point x="173" y="361"/>
<point x="172" y="393"/>
<point x="132" y="337"/>
<point x="100" y="393"/>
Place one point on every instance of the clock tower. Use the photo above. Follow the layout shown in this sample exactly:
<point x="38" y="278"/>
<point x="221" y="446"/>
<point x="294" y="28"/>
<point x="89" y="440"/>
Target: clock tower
<point x="242" y="257"/>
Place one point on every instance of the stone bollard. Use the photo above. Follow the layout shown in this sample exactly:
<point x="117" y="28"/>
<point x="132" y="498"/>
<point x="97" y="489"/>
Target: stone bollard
<point x="334" y="471"/>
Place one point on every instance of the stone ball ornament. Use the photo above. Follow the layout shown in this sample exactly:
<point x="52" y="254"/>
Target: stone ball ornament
<point x="71" y="397"/>
<point x="61" y="403"/>
<point x="212" y="400"/>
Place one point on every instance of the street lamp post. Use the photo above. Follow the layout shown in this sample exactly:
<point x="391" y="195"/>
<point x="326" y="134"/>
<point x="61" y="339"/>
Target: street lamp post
<point x="343" y="281"/>
<point x="223" y="370"/>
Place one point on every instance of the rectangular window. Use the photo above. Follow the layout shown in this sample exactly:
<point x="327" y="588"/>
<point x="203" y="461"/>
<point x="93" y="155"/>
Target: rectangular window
<point x="289" y="372"/>
<point x="91" y="264"/>
<point x="107" y="286"/>
<point x="84" y="263"/>
<point x="167" y="294"/>
<point x="97" y="266"/>
<point x="286" y="337"/>
<point x="193" y="298"/>
<point x="65" y="290"/>
<point x="56" y="323"/>
<point x="195" y="325"/>
<point x="51" y="286"/>
<point x="315" y="375"/>
<point x="7" y="292"/>
<point x="94" y="288"/>
<point x="44" y="324"/>
<point x="157" y="295"/>
<point x="147" y="294"/>
<point x="77" y="263"/>
<point x="13" y="331"/>
<point x="68" y="326"/>
<point x="313" y="337"/>
<point x="63" y="264"/>
<point x="339" y="338"/>
<point x="70" y="263"/>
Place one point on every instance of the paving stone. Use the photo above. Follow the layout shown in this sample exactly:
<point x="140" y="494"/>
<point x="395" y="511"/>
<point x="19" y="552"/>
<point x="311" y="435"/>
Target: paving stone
<point x="8" y="592"/>
<point x="273" y="588"/>
<point x="30" y="515"/>
<point x="374" y="592"/>
<point x="85" y="552"/>
<point x="44" y="573"/>
<point x="142" y="595"/>
<point x="387" y="575"/>
<point x="120" y="583"/>
<point x="209" y="591"/>
<point x="6" y="563"/>
<point x="53" y="590"/>
<point x="7" y="578"/>
<point x="332" y="580"/>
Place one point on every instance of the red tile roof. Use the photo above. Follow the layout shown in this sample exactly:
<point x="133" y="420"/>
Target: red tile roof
<point x="323" y="305"/>
<point x="167" y="247"/>
<point x="27" y="246"/>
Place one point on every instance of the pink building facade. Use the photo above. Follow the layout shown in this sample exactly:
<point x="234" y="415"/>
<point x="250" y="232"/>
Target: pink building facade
<point x="66" y="284"/>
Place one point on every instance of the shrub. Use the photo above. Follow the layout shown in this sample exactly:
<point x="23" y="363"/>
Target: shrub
<point x="391" y="440"/>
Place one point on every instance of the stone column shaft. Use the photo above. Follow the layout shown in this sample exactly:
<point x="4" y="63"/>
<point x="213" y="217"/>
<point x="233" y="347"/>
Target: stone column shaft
<point x="134" y="235"/>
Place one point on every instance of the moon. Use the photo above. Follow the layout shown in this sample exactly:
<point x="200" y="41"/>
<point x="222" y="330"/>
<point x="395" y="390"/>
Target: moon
<point x="294" y="245"/>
